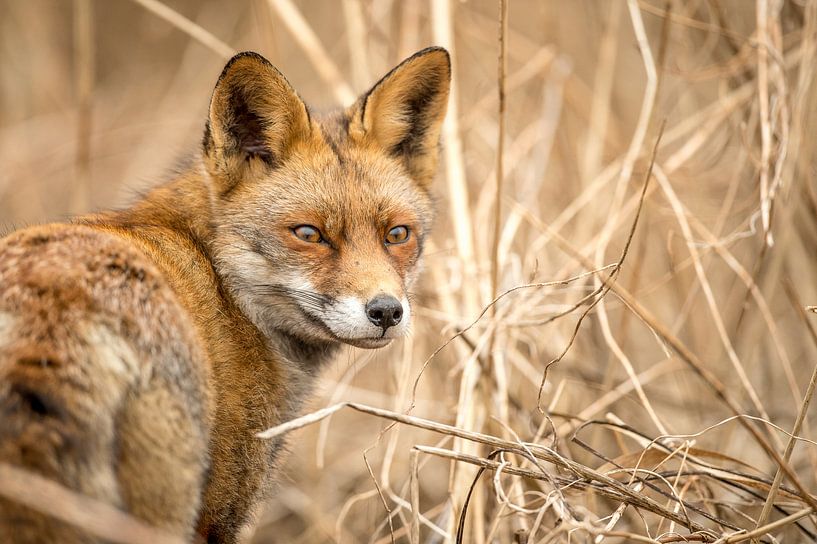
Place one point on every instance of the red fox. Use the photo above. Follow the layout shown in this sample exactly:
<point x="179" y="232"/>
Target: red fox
<point x="141" y="350"/>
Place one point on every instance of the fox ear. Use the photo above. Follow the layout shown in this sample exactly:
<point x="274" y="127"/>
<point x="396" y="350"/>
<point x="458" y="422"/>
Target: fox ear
<point x="404" y="111"/>
<point x="255" y="116"/>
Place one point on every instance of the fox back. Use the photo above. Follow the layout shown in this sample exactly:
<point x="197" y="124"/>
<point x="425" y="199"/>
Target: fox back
<point x="141" y="350"/>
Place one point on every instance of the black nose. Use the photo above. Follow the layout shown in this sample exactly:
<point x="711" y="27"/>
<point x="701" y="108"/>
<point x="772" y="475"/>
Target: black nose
<point x="384" y="311"/>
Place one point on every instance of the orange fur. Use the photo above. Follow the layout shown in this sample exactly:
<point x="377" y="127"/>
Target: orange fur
<point x="142" y="349"/>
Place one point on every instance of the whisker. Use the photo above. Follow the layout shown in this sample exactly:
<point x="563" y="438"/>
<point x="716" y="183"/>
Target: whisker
<point x="294" y="292"/>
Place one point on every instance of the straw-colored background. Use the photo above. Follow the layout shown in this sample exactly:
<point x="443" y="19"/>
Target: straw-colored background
<point x="101" y="99"/>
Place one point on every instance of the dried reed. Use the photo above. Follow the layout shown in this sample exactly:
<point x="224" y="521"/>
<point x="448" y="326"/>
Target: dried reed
<point x="672" y="284"/>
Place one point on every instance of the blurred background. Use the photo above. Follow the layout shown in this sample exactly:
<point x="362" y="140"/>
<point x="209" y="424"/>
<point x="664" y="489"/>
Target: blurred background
<point x="100" y="100"/>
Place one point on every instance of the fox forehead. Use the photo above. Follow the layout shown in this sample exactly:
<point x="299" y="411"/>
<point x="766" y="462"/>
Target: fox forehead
<point x="332" y="180"/>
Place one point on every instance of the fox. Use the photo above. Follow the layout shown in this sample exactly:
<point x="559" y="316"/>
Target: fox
<point x="142" y="349"/>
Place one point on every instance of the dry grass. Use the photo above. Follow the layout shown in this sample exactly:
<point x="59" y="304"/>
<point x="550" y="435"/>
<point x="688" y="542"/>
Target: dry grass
<point x="678" y="353"/>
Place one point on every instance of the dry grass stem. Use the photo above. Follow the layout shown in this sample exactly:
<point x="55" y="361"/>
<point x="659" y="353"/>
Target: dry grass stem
<point x="801" y="416"/>
<point x="187" y="26"/>
<point x="670" y="277"/>
<point x="301" y="31"/>
<point x="84" y="60"/>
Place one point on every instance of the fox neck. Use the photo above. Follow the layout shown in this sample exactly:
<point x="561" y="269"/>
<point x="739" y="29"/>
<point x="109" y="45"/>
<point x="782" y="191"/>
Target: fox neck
<point x="184" y="206"/>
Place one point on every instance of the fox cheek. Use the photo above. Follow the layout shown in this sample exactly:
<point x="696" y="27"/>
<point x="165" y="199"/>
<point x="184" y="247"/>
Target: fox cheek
<point x="255" y="118"/>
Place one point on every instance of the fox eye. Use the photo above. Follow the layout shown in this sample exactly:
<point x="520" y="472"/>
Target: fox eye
<point x="397" y="235"/>
<point x="308" y="233"/>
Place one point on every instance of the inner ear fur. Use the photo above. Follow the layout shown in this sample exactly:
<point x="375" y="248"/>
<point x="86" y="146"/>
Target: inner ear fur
<point x="404" y="111"/>
<point x="255" y="116"/>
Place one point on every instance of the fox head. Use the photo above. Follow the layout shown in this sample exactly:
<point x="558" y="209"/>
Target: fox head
<point x="319" y="221"/>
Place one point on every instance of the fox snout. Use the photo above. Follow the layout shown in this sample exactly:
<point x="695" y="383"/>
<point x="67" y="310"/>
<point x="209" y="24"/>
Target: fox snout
<point x="362" y="322"/>
<point x="384" y="311"/>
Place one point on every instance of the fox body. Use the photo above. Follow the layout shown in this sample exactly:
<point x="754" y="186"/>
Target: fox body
<point x="142" y="349"/>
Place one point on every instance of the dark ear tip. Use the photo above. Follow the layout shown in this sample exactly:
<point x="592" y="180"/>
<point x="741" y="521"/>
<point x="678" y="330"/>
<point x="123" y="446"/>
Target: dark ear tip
<point x="433" y="49"/>
<point x="441" y="54"/>
<point x="247" y="58"/>
<point x="437" y="59"/>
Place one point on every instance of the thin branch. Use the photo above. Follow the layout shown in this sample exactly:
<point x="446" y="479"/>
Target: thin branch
<point x="302" y="32"/>
<point x="187" y="26"/>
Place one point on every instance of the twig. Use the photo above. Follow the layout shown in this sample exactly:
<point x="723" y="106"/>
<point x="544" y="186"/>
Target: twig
<point x="540" y="452"/>
<point x="696" y="364"/>
<point x="302" y="33"/>
<point x="487" y="308"/>
<point x="356" y="34"/>
<point x="502" y="62"/>
<point x="633" y="150"/>
<point x="760" y="531"/>
<point x="459" y="201"/>
<point x="678" y="210"/>
<point x="415" y="498"/>
<point x="801" y="414"/>
<point x="187" y="26"/>
<point x="84" y="84"/>
<point x="500" y="145"/>
<point x="607" y="284"/>
<point x="602" y="88"/>
<point x="762" y="9"/>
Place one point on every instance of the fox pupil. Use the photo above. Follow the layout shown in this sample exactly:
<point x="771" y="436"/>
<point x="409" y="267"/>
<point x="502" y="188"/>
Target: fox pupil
<point x="308" y="233"/>
<point x="397" y="235"/>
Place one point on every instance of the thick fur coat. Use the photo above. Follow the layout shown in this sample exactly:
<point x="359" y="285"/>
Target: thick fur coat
<point x="141" y="350"/>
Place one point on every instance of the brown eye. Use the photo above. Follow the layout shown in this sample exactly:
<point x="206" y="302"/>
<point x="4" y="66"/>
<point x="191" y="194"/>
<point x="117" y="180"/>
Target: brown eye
<point x="308" y="233"/>
<point x="397" y="235"/>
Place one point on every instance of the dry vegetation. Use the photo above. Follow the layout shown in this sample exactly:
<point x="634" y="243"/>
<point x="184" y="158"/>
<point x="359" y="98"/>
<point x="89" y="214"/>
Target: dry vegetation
<point x="653" y="401"/>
